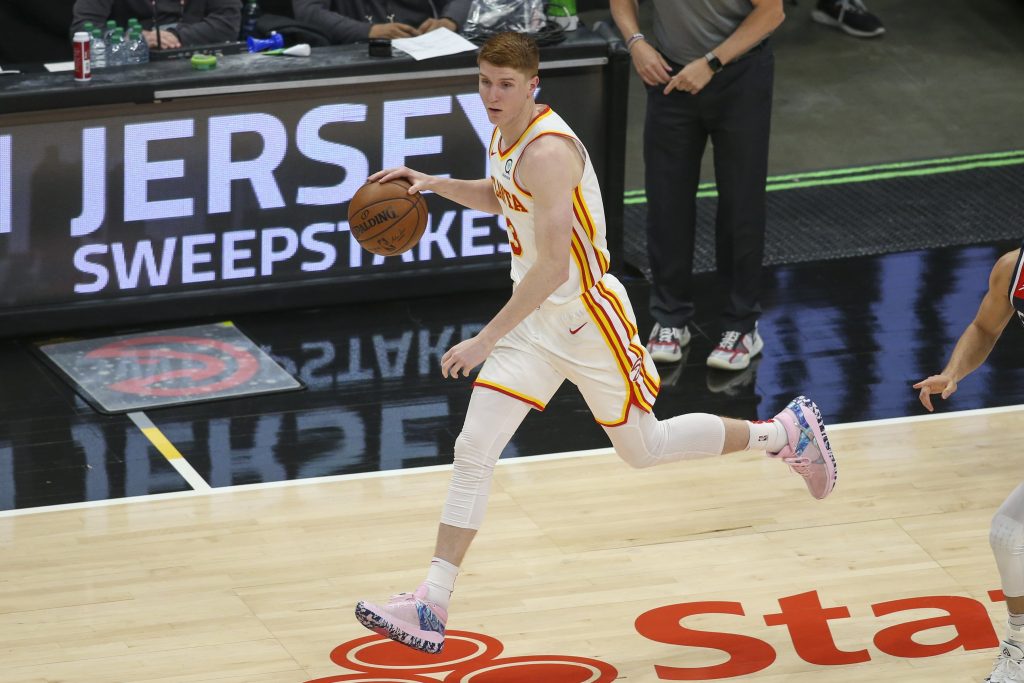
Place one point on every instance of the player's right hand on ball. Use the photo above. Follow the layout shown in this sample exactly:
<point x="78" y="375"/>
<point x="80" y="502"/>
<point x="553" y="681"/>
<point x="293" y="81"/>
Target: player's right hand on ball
<point x="936" y="384"/>
<point x="418" y="181"/>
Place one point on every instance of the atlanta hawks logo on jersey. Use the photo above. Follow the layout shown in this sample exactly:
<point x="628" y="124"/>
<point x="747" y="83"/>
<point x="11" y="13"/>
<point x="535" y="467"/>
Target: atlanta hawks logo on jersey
<point x="588" y="258"/>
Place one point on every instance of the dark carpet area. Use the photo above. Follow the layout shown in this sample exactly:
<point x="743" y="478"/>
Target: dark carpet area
<point x="864" y="218"/>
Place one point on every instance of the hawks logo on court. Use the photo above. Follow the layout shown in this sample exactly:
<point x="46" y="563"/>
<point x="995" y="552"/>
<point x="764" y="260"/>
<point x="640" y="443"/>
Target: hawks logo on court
<point x="467" y="657"/>
<point x="949" y="623"/>
<point x="174" y="366"/>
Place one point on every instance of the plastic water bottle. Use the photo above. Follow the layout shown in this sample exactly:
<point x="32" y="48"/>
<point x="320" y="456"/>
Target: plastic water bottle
<point x="133" y="47"/>
<point x="108" y="32"/>
<point x="143" y="47"/>
<point x="250" y="15"/>
<point x="116" y="52"/>
<point x="131" y="51"/>
<point x="99" y="50"/>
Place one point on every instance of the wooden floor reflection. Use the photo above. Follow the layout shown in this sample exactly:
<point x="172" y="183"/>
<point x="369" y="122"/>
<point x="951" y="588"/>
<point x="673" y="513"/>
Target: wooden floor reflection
<point x="852" y="334"/>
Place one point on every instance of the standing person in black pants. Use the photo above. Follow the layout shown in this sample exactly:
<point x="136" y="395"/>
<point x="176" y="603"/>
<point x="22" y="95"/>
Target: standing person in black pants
<point x="711" y="74"/>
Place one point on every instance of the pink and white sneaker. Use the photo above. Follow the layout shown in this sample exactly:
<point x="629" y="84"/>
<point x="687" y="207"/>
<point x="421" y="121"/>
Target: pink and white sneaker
<point x="808" y="452"/>
<point x="407" y="618"/>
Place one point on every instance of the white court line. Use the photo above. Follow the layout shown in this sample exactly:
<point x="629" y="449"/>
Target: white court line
<point x="207" y="490"/>
<point x="169" y="451"/>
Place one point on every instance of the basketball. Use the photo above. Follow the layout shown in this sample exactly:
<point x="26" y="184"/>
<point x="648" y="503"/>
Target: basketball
<point x="385" y="219"/>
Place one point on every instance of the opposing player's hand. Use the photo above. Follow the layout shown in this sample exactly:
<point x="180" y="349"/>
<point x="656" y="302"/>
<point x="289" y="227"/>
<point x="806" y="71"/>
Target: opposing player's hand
<point x="393" y="30"/>
<point x="419" y="181"/>
<point x="936" y="384"/>
<point x="465" y="356"/>
<point x="649" y="64"/>
<point x="691" y="78"/>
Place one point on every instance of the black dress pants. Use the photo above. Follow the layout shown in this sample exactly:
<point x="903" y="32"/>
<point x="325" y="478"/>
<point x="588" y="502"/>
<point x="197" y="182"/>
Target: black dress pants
<point x="734" y="109"/>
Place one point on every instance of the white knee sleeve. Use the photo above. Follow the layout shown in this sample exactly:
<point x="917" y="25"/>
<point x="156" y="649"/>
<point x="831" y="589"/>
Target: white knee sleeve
<point x="491" y="421"/>
<point x="1006" y="536"/>
<point x="644" y="440"/>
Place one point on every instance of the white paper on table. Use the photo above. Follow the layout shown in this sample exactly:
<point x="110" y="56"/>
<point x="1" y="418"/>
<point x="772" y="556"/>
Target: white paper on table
<point x="54" y="67"/>
<point x="436" y="43"/>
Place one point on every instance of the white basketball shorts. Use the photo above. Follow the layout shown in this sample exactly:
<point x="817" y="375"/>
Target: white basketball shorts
<point x="592" y="341"/>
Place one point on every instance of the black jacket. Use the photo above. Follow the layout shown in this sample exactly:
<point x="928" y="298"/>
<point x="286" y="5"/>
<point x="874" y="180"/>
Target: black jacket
<point x="200" y="22"/>
<point x="349" y="21"/>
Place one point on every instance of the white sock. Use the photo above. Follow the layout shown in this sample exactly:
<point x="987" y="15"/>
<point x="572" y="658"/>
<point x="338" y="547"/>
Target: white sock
<point x="441" y="581"/>
<point x="1015" y="630"/>
<point x="767" y="435"/>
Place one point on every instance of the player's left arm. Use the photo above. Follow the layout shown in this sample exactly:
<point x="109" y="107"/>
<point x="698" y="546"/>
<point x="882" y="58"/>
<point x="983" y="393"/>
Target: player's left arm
<point x="550" y="169"/>
<point x="978" y="340"/>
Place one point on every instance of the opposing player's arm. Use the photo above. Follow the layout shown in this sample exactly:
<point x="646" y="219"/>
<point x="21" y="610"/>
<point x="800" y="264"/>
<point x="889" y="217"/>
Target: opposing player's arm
<point x="473" y="194"/>
<point x="550" y="169"/>
<point x="977" y="341"/>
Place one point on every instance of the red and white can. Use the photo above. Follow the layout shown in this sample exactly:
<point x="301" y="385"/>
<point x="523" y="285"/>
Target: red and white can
<point x="83" y="56"/>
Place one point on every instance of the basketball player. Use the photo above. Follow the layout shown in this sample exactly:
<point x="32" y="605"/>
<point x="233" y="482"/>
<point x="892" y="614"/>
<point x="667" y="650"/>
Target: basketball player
<point x="1006" y="535"/>
<point x="567" y="317"/>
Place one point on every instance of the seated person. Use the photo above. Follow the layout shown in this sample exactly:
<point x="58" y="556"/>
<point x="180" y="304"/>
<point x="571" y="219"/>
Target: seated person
<point x="181" y="22"/>
<point x="349" y="21"/>
<point x="33" y="31"/>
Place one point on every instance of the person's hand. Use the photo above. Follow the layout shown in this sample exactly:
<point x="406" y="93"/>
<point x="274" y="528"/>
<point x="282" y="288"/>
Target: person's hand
<point x="419" y="181"/>
<point x="649" y="64"/>
<point x="432" y="23"/>
<point x="691" y="78"/>
<point x="936" y="384"/>
<point x="167" y="40"/>
<point x="465" y="356"/>
<point x="393" y="30"/>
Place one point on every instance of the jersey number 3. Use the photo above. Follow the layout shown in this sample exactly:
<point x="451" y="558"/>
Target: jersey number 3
<point x="513" y="239"/>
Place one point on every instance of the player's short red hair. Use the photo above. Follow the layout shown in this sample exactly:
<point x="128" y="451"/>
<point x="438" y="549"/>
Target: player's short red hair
<point x="513" y="50"/>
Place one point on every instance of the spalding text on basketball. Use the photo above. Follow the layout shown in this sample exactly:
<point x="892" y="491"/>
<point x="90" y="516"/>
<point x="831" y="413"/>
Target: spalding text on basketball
<point x="367" y="221"/>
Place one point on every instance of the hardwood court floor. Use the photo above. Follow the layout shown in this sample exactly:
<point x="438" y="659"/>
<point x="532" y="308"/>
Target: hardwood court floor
<point x="258" y="585"/>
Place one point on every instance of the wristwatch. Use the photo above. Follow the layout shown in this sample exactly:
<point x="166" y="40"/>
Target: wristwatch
<point x="713" y="62"/>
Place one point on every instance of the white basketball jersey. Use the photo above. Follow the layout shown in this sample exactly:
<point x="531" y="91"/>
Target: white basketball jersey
<point x="588" y="257"/>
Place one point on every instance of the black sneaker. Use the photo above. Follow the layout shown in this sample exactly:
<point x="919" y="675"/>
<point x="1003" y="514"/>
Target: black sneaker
<point x="850" y="16"/>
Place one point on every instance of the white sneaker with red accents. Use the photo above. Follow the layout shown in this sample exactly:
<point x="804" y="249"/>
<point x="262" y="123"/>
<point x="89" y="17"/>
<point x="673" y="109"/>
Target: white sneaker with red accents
<point x="735" y="350"/>
<point x="666" y="343"/>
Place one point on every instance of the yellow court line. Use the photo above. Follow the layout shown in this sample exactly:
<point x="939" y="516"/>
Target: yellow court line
<point x="161" y="442"/>
<point x="169" y="451"/>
